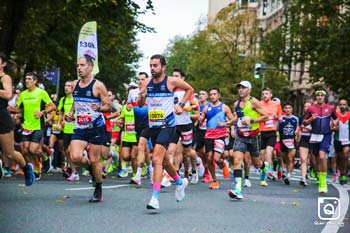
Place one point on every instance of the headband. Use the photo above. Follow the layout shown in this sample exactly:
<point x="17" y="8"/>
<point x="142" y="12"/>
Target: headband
<point x="321" y="92"/>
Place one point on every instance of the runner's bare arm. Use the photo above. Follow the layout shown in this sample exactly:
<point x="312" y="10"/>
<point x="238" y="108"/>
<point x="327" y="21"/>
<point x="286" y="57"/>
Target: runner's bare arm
<point x="103" y="95"/>
<point x="263" y="114"/>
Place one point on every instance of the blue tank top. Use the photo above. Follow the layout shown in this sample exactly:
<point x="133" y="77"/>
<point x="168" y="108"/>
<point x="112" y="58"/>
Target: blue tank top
<point x="214" y="115"/>
<point x="160" y="102"/>
<point x="85" y="116"/>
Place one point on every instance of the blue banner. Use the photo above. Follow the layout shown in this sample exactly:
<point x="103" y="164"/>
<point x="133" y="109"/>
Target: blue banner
<point x="52" y="76"/>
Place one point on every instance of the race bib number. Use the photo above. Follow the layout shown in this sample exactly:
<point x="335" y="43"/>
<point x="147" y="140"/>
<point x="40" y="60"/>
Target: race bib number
<point x="316" y="138"/>
<point x="344" y="142"/>
<point x="84" y="119"/>
<point x="156" y="118"/>
<point x="219" y="145"/>
<point x="130" y="127"/>
<point x="269" y="124"/>
<point x="27" y="132"/>
<point x="187" y="137"/>
<point x="289" y="143"/>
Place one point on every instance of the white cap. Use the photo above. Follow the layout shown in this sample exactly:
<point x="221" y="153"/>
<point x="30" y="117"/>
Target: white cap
<point x="244" y="84"/>
<point x="276" y="100"/>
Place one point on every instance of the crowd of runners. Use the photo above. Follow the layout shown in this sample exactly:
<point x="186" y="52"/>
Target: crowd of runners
<point x="164" y="127"/>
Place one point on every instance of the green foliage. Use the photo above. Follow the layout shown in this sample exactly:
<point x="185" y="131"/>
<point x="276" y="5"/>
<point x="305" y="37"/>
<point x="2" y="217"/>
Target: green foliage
<point x="213" y="57"/>
<point x="316" y="33"/>
<point x="48" y="32"/>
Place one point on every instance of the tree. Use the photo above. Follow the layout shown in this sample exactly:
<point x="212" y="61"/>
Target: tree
<point x="316" y="32"/>
<point x="212" y="57"/>
<point x="43" y="34"/>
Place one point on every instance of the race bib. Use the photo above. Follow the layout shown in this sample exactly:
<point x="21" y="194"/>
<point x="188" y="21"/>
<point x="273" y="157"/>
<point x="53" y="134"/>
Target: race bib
<point x="219" y="145"/>
<point x="130" y="127"/>
<point x="187" y="137"/>
<point x="269" y="124"/>
<point x="27" y="132"/>
<point x="289" y="143"/>
<point x="344" y="142"/>
<point x="316" y="138"/>
<point x="156" y="118"/>
<point x="84" y="119"/>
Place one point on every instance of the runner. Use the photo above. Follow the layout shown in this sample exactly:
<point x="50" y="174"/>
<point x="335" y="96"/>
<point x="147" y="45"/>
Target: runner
<point x="158" y="93"/>
<point x="342" y="140"/>
<point x="31" y="102"/>
<point x="304" y="146"/>
<point x="268" y="128"/>
<point x="90" y="100"/>
<point x="6" y="127"/>
<point x="248" y="114"/>
<point x="65" y="105"/>
<point x="288" y="129"/>
<point x="216" y="114"/>
<point x="320" y="116"/>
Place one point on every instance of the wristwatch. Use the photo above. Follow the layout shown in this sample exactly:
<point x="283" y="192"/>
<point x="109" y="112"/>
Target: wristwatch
<point x="182" y="105"/>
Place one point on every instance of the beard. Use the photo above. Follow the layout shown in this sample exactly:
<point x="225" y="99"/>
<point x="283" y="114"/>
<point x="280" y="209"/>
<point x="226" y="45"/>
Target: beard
<point x="156" y="74"/>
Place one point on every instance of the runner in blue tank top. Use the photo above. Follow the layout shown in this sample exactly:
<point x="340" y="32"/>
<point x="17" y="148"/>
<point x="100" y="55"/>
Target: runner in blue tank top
<point x="158" y="93"/>
<point x="90" y="100"/>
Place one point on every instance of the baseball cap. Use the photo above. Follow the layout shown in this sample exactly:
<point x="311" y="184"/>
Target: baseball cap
<point x="244" y="84"/>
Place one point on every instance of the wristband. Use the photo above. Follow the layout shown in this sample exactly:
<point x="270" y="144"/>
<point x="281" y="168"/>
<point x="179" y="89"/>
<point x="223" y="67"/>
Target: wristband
<point x="182" y="105"/>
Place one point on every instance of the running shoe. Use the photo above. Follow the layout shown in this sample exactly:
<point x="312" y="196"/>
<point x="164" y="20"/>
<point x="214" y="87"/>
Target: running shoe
<point x="302" y="182"/>
<point x="270" y="176"/>
<point x="122" y="173"/>
<point x="343" y="179"/>
<point x="247" y="183"/>
<point x="206" y="178"/>
<point x="73" y="177"/>
<point x="37" y="175"/>
<point x="165" y="182"/>
<point x="286" y="181"/>
<point x="263" y="183"/>
<point x="200" y="167"/>
<point x="153" y="204"/>
<point x="1" y="171"/>
<point x="97" y="196"/>
<point x="214" y="185"/>
<point x="323" y="190"/>
<point x="7" y="173"/>
<point x="194" y="178"/>
<point x="180" y="190"/>
<point x="85" y="172"/>
<point x="134" y="180"/>
<point x="235" y="194"/>
<point x="225" y="171"/>
<point x="144" y="171"/>
<point x="29" y="175"/>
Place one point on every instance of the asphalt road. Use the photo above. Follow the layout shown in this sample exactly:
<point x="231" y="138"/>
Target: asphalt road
<point x="55" y="205"/>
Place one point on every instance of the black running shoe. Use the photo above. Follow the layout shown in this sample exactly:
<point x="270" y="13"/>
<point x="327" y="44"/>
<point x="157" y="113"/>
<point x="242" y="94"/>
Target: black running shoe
<point x="303" y="183"/>
<point x="97" y="197"/>
<point x="286" y="181"/>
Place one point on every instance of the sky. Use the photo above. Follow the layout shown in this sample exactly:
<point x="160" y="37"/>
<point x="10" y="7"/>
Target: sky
<point x="172" y="18"/>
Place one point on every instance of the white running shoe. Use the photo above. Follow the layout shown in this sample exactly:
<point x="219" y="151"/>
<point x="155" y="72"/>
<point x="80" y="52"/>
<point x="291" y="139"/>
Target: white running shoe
<point x="73" y="177"/>
<point x="180" y="190"/>
<point x="247" y="183"/>
<point x="165" y="182"/>
<point x="194" y="178"/>
<point x="200" y="167"/>
<point x="153" y="204"/>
